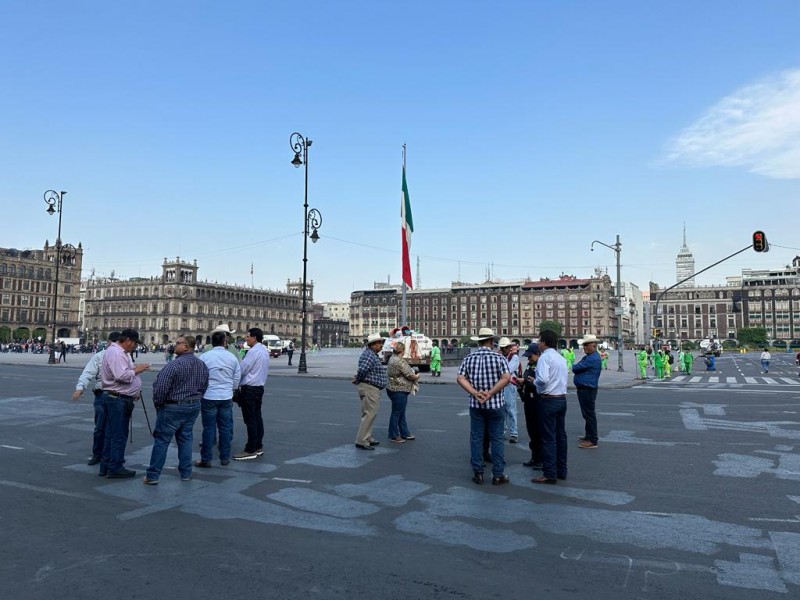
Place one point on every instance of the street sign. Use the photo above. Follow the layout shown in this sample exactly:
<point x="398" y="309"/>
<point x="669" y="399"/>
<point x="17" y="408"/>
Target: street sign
<point x="619" y="311"/>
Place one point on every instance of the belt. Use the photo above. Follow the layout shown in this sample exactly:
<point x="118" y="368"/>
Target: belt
<point x="552" y="396"/>
<point x="97" y="392"/>
<point x="181" y="401"/>
<point x="117" y="395"/>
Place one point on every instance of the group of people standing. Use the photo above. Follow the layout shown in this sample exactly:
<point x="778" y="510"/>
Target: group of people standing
<point x="187" y="386"/>
<point x="662" y="361"/>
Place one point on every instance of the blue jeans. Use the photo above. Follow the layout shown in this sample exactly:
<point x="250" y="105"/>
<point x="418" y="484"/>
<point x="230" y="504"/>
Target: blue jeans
<point x="173" y="420"/>
<point x="397" y="420"/>
<point x="587" y="397"/>
<point x="765" y="366"/>
<point x="117" y="413"/>
<point x="216" y="414"/>
<point x="552" y="413"/>
<point x="99" y="426"/>
<point x="493" y="418"/>
<point x="510" y="410"/>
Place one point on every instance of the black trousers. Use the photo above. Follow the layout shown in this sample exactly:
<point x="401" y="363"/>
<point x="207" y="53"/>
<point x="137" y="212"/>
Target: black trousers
<point x="250" y="400"/>
<point x="533" y="425"/>
<point x="587" y="398"/>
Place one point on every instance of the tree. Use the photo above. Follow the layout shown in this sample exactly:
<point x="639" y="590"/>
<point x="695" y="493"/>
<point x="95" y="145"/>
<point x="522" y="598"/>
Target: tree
<point x="752" y="336"/>
<point x="554" y="326"/>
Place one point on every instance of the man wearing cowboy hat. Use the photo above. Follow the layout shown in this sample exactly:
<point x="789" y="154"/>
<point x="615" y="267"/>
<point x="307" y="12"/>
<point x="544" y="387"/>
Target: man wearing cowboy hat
<point x="484" y="375"/>
<point x="370" y="378"/>
<point x="231" y="345"/>
<point x="587" y="374"/>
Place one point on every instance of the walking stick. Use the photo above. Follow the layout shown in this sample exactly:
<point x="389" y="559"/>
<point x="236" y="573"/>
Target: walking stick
<point x="146" y="418"/>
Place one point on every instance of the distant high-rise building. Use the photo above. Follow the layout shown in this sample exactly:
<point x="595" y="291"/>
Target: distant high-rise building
<point x="684" y="264"/>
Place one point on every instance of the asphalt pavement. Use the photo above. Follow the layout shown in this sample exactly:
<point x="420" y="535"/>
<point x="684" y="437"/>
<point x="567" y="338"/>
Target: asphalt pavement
<point x="692" y="493"/>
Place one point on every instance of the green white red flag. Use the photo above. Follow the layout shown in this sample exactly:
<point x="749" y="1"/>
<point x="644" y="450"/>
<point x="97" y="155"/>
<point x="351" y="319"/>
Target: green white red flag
<point x="407" y="228"/>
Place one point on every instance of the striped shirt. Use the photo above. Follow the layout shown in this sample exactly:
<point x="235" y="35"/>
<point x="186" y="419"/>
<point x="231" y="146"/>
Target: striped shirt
<point x="183" y="381"/>
<point x="370" y="370"/>
<point x="484" y="368"/>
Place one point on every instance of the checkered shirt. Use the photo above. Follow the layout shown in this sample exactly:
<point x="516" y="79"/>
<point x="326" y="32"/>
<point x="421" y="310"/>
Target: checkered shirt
<point x="484" y="367"/>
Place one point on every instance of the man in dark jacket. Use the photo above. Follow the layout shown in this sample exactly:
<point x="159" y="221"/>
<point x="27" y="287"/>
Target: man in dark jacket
<point x="587" y="375"/>
<point x="530" y="402"/>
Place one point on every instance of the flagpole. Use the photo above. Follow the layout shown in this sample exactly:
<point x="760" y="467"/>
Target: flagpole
<point x="403" y="320"/>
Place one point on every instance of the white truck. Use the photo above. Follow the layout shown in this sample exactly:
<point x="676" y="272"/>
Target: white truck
<point x="417" y="352"/>
<point x="273" y="344"/>
<point x="711" y="346"/>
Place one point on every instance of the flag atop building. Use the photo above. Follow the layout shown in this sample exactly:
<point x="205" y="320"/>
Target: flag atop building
<point x="407" y="228"/>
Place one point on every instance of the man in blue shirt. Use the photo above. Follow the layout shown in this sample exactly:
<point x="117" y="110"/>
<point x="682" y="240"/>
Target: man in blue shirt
<point x="177" y="392"/>
<point x="587" y="375"/>
<point x="224" y="375"/>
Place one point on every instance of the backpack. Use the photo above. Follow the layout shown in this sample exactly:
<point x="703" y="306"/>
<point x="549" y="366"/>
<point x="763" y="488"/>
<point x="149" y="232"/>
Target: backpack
<point x="671" y="359"/>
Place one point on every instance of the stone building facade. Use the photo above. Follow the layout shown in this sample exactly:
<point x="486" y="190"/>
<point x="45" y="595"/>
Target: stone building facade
<point x="512" y="308"/>
<point x="177" y="303"/>
<point x="27" y="292"/>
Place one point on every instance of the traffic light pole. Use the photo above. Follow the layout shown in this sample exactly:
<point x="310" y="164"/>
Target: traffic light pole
<point x="661" y="294"/>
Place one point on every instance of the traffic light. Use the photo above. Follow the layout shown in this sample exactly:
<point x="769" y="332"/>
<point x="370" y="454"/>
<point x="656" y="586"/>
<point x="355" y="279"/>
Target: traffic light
<point x="656" y="332"/>
<point x="760" y="242"/>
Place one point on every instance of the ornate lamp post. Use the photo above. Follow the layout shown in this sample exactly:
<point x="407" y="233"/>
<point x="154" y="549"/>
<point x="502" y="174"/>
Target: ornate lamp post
<point x="64" y="253"/>
<point x="312" y="220"/>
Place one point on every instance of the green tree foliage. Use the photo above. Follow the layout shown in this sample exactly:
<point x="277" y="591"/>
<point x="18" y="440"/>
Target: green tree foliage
<point x="752" y="336"/>
<point x="552" y="326"/>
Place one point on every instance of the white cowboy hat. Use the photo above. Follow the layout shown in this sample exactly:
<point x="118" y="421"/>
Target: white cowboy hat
<point x="374" y="337"/>
<point x="224" y="328"/>
<point x="484" y="333"/>
<point x="504" y="341"/>
<point x="589" y="339"/>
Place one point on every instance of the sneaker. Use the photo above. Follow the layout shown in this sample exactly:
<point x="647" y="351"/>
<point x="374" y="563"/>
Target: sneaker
<point x="586" y="444"/>
<point x="581" y="438"/>
<point x="503" y="479"/>
<point x="94" y="460"/>
<point x="363" y="447"/>
<point x="202" y="464"/>
<point x="147" y="481"/>
<point x="259" y="452"/>
<point x="122" y="474"/>
<point x="187" y="478"/>
<point x="410" y="437"/>
<point x="245" y="455"/>
<point x="374" y="443"/>
<point x="397" y="440"/>
<point x="512" y="439"/>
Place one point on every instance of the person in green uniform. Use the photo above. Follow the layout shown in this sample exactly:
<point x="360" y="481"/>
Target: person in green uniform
<point x="436" y="360"/>
<point x="688" y="360"/>
<point x="658" y="361"/>
<point x="604" y="359"/>
<point x="641" y="359"/>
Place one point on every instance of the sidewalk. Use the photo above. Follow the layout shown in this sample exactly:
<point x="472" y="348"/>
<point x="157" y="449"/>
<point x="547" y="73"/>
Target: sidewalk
<point x="329" y="363"/>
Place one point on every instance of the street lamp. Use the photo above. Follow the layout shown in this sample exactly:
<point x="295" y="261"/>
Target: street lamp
<point x="312" y="220"/>
<point x="66" y="253"/>
<point x="618" y="311"/>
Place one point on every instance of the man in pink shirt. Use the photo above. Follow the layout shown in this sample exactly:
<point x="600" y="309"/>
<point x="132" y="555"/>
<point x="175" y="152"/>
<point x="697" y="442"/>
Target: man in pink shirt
<point x="121" y="385"/>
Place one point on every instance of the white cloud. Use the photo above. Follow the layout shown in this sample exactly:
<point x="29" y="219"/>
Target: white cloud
<point x="757" y="127"/>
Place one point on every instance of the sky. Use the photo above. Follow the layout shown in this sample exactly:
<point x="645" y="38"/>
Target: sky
<point x="532" y="129"/>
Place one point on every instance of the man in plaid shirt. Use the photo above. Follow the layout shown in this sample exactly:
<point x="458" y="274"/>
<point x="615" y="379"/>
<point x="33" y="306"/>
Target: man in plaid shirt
<point x="484" y="374"/>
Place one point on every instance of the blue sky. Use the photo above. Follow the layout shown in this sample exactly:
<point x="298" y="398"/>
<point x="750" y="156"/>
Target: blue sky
<point x="532" y="128"/>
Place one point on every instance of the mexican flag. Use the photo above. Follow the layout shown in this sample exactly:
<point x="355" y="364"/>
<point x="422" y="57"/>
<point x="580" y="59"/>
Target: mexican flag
<point x="407" y="228"/>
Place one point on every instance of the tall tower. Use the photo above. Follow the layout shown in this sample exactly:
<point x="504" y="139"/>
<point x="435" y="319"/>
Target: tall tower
<point x="684" y="264"/>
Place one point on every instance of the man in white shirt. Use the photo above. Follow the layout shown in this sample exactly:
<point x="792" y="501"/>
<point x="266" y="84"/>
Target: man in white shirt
<point x="765" y="358"/>
<point x="551" y="384"/>
<point x="224" y="375"/>
<point x="255" y="368"/>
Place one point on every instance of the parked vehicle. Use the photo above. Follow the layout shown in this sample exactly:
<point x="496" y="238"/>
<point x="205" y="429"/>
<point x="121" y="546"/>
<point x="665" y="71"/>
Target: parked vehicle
<point x="273" y="344"/>
<point x="418" y="348"/>
<point x="711" y="346"/>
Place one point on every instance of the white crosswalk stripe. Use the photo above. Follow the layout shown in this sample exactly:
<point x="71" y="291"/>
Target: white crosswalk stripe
<point x="711" y="381"/>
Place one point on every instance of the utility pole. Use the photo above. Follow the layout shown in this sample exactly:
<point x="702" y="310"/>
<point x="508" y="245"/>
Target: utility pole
<point x="619" y="310"/>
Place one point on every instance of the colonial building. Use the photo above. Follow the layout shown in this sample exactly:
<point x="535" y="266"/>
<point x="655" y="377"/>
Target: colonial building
<point x="176" y="303"/>
<point x="512" y="308"/>
<point x="27" y="281"/>
<point x="768" y="298"/>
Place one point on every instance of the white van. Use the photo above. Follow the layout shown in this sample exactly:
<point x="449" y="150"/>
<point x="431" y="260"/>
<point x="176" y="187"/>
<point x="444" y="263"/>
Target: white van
<point x="273" y="344"/>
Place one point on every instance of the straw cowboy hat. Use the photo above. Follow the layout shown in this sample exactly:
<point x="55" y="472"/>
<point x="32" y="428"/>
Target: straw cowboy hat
<point x="589" y="339"/>
<point x="224" y="328"/>
<point x="484" y="333"/>
<point x="374" y="337"/>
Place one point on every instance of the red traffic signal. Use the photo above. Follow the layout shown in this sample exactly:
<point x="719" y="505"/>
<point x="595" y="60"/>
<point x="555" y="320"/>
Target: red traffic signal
<point x="760" y="242"/>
